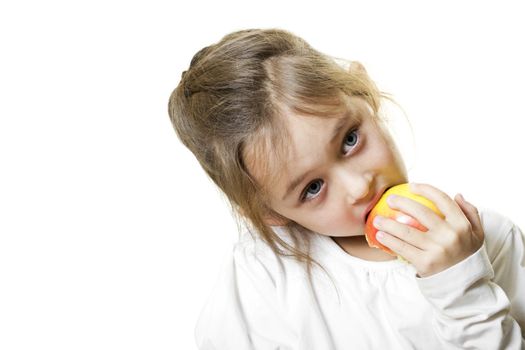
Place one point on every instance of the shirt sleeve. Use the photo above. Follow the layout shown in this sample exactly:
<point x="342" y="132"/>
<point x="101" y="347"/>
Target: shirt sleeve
<point x="479" y="303"/>
<point x="244" y="310"/>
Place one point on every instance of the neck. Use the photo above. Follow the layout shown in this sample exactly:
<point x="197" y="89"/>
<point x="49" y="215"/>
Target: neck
<point x="358" y="246"/>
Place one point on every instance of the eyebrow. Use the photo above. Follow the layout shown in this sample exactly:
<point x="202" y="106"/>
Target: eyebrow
<point x="335" y="133"/>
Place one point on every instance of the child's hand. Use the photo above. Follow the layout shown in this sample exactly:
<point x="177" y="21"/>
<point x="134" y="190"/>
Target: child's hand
<point x="447" y="241"/>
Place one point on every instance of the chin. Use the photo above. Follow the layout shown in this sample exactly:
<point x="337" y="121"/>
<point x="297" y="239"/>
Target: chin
<point x="347" y="235"/>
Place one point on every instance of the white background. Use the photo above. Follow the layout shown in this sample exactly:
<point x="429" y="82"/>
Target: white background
<point x="111" y="236"/>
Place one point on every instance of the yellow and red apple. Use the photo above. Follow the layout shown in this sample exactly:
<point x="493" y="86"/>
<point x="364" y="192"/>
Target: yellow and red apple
<point x="382" y="208"/>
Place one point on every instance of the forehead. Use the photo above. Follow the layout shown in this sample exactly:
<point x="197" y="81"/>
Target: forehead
<point x="276" y="151"/>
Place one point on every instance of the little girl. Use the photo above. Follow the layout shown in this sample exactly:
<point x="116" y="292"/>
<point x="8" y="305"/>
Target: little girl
<point x="297" y="143"/>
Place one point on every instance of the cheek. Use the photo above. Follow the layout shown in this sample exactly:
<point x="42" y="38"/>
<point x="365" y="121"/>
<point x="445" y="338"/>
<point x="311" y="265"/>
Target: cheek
<point x="388" y="153"/>
<point x="334" y="220"/>
<point x="381" y="155"/>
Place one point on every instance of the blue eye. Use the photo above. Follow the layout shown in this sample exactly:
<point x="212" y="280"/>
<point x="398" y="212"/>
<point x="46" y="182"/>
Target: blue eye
<point x="312" y="190"/>
<point x="350" y="142"/>
<point x="351" y="139"/>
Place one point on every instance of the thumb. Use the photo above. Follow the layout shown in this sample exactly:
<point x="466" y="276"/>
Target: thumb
<point x="472" y="214"/>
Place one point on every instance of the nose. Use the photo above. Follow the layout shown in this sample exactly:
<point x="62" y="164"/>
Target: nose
<point x="356" y="186"/>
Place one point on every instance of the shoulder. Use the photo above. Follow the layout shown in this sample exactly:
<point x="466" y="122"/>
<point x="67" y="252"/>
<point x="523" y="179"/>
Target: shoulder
<point x="498" y="230"/>
<point x="255" y="259"/>
<point x="246" y="301"/>
<point x="505" y="244"/>
<point x="258" y="260"/>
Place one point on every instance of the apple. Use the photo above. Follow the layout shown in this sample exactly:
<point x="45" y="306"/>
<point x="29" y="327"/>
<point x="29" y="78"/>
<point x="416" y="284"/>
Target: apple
<point x="382" y="208"/>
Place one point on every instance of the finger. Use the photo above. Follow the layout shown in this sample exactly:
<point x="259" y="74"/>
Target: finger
<point x="448" y="207"/>
<point x="402" y="231"/>
<point x="400" y="247"/>
<point x="472" y="214"/>
<point x="424" y="215"/>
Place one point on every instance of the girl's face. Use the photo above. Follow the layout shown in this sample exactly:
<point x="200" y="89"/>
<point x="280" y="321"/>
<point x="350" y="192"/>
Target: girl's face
<point x="338" y="168"/>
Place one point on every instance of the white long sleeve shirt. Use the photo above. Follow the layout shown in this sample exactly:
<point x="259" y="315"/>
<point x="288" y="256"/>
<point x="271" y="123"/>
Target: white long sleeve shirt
<point x="265" y="301"/>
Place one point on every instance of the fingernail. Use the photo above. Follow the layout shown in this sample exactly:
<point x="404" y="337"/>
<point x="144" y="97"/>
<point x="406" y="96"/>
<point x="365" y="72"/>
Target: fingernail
<point x="412" y="186"/>
<point x="378" y="220"/>
<point x="380" y="235"/>
<point x="390" y="199"/>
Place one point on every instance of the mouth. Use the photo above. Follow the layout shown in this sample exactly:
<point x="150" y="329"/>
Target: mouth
<point x="373" y="203"/>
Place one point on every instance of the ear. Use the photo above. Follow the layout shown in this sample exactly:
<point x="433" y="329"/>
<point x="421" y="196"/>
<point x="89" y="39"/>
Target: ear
<point x="271" y="218"/>
<point x="357" y="68"/>
<point x="274" y="221"/>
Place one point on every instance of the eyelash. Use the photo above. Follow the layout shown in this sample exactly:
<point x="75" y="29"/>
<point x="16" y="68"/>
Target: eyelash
<point x="303" y="198"/>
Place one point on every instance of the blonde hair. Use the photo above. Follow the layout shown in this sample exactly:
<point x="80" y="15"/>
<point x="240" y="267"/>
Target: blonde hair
<point x="226" y="109"/>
